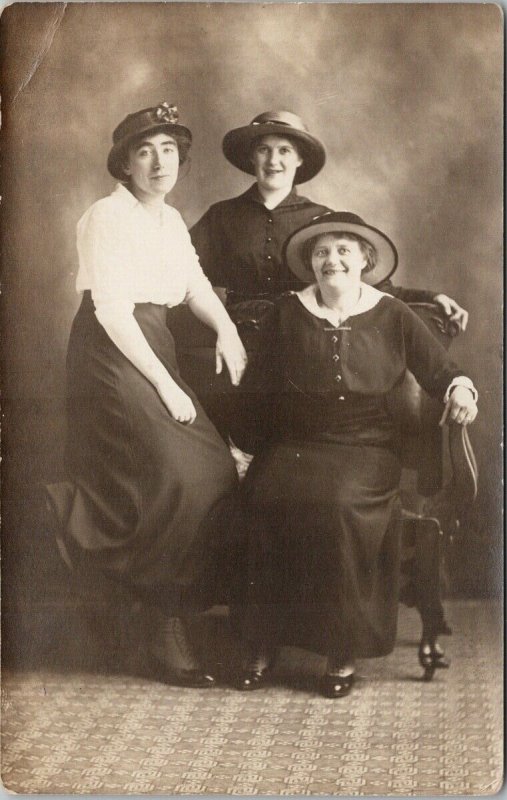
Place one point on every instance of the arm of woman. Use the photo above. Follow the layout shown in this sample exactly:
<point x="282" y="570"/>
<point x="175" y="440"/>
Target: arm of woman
<point x="102" y="254"/>
<point x="449" y="306"/>
<point x="229" y="348"/>
<point x="437" y="373"/>
<point x="204" y="303"/>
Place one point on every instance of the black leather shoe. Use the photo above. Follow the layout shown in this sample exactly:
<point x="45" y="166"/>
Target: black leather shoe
<point x="335" y="685"/>
<point x="255" y="671"/>
<point x="175" y="660"/>
<point x="192" y="679"/>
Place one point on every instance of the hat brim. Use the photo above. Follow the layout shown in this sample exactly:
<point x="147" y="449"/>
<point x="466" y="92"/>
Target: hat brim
<point x="237" y="145"/>
<point x="387" y="255"/>
<point x="115" y="159"/>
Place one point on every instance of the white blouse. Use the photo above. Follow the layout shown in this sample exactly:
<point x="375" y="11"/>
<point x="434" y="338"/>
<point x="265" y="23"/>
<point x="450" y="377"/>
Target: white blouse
<point x="126" y="257"/>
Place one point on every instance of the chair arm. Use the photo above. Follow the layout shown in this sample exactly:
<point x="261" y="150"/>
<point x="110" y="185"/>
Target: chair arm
<point x="464" y="465"/>
<point x="437" y="321"/>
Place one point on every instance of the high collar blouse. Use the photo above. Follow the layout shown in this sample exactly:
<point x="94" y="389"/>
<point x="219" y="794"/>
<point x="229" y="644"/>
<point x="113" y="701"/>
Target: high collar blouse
<point x="127" y="257"/>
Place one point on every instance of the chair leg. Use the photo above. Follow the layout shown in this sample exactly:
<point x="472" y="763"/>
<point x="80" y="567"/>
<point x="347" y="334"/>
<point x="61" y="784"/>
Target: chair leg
<point x="431" y="657"/>
<point x="425" y="534"/>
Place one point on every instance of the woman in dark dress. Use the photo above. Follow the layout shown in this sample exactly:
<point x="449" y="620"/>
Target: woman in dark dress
<point x="239" y="242"/>
<point x="320" y="499"/>
<point x="150" y="479"/>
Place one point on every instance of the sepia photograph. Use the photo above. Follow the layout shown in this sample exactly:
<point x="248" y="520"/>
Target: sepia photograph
<point x="252" y="399"/>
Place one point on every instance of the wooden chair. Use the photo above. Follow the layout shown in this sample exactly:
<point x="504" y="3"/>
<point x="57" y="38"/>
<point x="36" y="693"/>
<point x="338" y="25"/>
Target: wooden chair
<point x="437" y="505"/>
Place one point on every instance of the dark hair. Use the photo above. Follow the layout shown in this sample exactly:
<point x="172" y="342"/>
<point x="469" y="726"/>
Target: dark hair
<point x="182" y="142"/>
<point x="367" y="249"/>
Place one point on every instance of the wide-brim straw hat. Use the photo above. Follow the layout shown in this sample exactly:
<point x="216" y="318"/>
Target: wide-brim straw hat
<point x="341" y="222"/>
<point x="147" y="120"/>
<point x="237" y="144"/>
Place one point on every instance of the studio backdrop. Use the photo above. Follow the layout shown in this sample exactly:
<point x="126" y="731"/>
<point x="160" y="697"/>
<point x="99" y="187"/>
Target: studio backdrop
<point x="407" y="98"/>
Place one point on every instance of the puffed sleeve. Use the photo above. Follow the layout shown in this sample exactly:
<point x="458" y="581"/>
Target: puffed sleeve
<point x="104" y="258"/>
<point x="208" y="242"/>
<point x="426" y="358"/>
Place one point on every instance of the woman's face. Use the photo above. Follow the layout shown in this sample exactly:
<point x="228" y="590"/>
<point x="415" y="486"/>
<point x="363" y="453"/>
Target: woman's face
<point x="337" y="262"/>
<point x="275" y="161"/>
<point x="152" y="166"/>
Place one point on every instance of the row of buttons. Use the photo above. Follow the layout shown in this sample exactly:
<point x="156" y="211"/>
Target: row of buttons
<point x="269" y="239"/>
<point x="336" y="358"/>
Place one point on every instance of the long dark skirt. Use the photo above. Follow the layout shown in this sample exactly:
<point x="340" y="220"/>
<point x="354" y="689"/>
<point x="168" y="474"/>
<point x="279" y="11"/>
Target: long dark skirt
<point x="323" y="540"/>
<point x="150" y="498"/>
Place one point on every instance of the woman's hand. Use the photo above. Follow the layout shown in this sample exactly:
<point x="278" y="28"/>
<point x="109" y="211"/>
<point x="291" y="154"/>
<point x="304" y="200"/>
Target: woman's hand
<point x="460" y="407"/>
<point x="179" y="404"/>
<point x="229" y="348"/>
<point x="452" y="310"/>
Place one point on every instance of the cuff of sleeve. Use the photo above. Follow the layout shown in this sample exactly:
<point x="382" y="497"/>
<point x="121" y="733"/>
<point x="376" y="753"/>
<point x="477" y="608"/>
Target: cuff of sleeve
<point x="461" y="380"/>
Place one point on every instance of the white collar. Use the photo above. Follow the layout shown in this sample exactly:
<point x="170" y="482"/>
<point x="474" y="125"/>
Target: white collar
<point x="368" y="298"/>
<point x="124" y="196"/>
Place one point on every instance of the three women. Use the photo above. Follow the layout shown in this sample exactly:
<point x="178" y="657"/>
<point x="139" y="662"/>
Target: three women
<point x="151" y="482"/>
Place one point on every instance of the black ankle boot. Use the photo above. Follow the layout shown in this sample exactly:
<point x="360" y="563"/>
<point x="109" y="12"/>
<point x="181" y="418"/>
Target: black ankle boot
<point x="174" y="655"/>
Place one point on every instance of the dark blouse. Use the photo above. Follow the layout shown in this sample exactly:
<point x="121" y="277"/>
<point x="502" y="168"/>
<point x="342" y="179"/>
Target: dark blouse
<point x="309" y="377"/>
<point x="239" y="243"/>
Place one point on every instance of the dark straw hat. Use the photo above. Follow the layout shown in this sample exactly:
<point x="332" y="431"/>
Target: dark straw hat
<point x="341" y="222"/>
<point x="238" y="142"/>
<point x="148" y="120"/>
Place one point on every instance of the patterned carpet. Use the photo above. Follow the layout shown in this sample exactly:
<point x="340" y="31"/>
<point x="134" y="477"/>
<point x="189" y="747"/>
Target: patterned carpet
<point x="86" y="732"/>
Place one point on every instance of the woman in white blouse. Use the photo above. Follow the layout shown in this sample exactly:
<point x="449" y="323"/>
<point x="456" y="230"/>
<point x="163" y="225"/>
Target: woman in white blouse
<point x="151" y="482"/>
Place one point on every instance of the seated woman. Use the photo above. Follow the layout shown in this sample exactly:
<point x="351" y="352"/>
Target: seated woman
<point x="150" y="479"/>
<point x="320" y="499"/>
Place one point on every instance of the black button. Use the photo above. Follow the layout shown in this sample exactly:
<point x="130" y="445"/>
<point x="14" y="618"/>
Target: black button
<point x="338" y="378"/>
<point x="269" y="258"/>
<point x="341" y="397"/>
<point x="336" y="357"/>
<point x="269" y="239"/>
<point x="334" y="339"/>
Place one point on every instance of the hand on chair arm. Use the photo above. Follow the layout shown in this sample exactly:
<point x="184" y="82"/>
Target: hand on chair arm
<point x="452" y="310"/>
<point x="460" y="402"/>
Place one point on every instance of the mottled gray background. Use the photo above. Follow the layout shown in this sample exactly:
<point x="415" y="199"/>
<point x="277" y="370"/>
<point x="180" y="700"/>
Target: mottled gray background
<point x="408" y="99"/>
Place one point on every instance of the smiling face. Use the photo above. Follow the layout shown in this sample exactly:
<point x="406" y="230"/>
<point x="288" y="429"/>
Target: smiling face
<point x="275" y="160"/>
<point x="337" y="261"/>
<point x="152" y="166"/>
